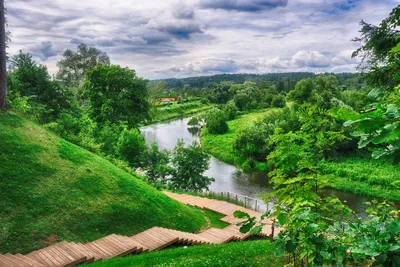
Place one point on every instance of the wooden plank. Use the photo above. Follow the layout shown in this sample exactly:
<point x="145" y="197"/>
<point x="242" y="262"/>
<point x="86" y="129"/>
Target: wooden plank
<point x="9" y="262"/>
<point x="72" y="251"/>
<point x="28" y="260"/>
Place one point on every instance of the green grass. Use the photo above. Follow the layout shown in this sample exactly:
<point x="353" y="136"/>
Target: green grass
<point x="363" y="175"/>
<point x="213" y="219"/>
<point x="179" y="110"/>
<point x="250" y="253"/>
<point x="52" y="190"/>
<point x="222" y="145"/>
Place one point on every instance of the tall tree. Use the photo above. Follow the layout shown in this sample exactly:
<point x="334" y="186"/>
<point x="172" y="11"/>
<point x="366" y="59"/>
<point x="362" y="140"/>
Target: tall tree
<point x="3" y="70"/>
<point x="117" y="95"/>
<point x="74" y="65"/>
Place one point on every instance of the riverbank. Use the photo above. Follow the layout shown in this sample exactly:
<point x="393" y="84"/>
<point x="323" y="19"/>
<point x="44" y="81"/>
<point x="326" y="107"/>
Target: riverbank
<point x="358" y="174"/>
<point x="176" y="111"/>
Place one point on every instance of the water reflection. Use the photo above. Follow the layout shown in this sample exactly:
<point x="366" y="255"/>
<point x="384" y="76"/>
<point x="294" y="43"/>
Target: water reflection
<point x="250" y="184"/>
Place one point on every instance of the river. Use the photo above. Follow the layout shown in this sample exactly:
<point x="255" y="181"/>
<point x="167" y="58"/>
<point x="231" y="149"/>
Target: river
<point x="251" y="184"/>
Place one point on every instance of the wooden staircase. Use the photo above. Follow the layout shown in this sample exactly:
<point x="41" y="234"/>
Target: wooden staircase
<point x="71" y="254"/>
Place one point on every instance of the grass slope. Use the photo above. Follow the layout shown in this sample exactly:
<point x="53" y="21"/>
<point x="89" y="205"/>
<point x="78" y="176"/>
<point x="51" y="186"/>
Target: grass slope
<point x="358" y="174"/>
<point x="249" y="253"/>
<point x="52" y="190"/>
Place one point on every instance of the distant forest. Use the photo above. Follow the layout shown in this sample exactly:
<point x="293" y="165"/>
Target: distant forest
<point x="284" y="82"/>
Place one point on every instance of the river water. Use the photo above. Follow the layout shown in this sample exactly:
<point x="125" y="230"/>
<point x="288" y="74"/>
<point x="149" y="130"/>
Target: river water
<point x="250" y="184"/>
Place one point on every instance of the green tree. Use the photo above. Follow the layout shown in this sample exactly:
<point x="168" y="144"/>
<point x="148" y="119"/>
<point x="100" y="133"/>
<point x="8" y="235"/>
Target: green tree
<point x="74" y="65"/>
<point x="157" y="165"/>
<point x="382" y="66"/>
<point x="117" y="95"/>
<point x="231" y="110"/>
<point x="31" y="80"/>
<point x="131" y="147"/>
<point x="189" y="165"/>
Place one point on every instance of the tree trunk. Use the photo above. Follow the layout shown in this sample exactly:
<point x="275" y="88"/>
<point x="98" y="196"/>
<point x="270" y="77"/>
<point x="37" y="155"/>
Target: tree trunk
<point x="3" y="69"/>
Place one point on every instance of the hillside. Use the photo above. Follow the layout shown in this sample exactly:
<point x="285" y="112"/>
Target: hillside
<point x="52" y="190"/>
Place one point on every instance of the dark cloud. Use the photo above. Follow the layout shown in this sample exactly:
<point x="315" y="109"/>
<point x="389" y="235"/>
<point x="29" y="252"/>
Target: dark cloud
<point x="183" y="11"/>
<point x="23" y="18"/>
<point x="243" y="5"/>
<point x="179" y="29"/>
<point x="44" y="50"/>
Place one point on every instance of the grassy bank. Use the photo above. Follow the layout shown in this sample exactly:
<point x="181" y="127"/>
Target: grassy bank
<point x="179" y="110"/>
<point x="250" y="253"/>
<point x="221" y="146"/>
<point x="358" y="174"/>
<point x="52" y="190"/>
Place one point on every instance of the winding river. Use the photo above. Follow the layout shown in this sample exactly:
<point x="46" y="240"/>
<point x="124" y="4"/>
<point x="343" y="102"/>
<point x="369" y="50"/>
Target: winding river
<point x="250" y="184"/>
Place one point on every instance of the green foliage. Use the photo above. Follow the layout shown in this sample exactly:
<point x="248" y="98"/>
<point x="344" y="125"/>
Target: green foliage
<point x="216" y="122"/>
<point x="116" y="95"/>
<point x="131" y="147"/>
<point x="231" y="111"/>
<point x="30" y="86"/>
<point x="194" y="121"/>
<point x="189" y="164"/>
<point x="77" y="195"/>
<point x="74" y="65"/>
<point x="157" y="165"/>
<point x="379" y="127"/>
<point x="236" y="254"/>
<point x="319" y="91"/>
<point x="168" y="112"/>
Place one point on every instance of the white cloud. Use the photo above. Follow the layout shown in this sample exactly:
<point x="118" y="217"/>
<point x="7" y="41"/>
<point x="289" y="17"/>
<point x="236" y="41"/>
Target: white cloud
<point x="196" y="37"/>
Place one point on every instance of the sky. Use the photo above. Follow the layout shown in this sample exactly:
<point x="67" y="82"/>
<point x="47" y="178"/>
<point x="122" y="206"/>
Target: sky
<point x="176" y="38"/>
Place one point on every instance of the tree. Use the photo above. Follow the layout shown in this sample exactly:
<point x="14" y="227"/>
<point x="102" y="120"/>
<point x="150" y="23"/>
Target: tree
<point x="131" y="147"/>
<point x="157" y="165"/>
<point x="28" y="79"/>
<point x="117" y="95"/>
<point x="3" y="57"/>
<point x="74" y="65"/>
<point x="377" y="41"/>
<point x="189" y="164"/>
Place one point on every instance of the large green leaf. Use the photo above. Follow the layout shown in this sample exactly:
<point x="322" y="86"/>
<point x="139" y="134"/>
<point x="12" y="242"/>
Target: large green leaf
<point x="392" y="112"/>
<point x="240" y="214"/>
<point x="375" y="94"/>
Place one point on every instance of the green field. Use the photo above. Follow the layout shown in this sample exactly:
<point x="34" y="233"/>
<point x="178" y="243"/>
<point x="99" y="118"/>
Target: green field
<point x="52" y="190"/>
<point x="248" y="253"/>
<point x="359" y="173"/>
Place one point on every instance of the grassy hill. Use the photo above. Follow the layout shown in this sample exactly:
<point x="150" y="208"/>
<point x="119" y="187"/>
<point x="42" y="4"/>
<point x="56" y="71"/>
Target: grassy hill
<point x="52" y="190"/>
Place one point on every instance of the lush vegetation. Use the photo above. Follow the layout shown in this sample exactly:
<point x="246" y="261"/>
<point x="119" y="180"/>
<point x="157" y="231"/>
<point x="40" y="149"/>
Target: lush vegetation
<point x="314" y="233"/>
<point x="53" y="190"/>
<point x="250" y="253"/>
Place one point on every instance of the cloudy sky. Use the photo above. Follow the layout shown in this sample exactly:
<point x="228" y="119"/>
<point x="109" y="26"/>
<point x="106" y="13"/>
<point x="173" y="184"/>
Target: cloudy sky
<point x="176" y="38"/>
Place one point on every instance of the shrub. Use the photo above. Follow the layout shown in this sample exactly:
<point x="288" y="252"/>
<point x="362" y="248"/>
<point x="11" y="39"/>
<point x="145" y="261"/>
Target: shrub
<point x="204" y="101"/>
<point x="216" y="122"/>
<point x="231" y="111"/>
<point x="278" y="101"/>
<point x="194" y="121"/>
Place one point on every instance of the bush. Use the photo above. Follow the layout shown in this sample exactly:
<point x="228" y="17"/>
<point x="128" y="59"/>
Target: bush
<point x="216" y="122"/>
<point x="278" y="101"/>
<point x="131" y="147"/>
<point x="194" y="121"/>
<point x="231" y="111"/>
<point x="204" y="101"/>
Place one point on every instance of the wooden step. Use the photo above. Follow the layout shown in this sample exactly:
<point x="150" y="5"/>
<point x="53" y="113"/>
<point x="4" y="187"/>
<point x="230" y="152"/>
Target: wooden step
<point x="216" y="236"/>
<point x="27" y="261"/>
<point x="155" y="238"/>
